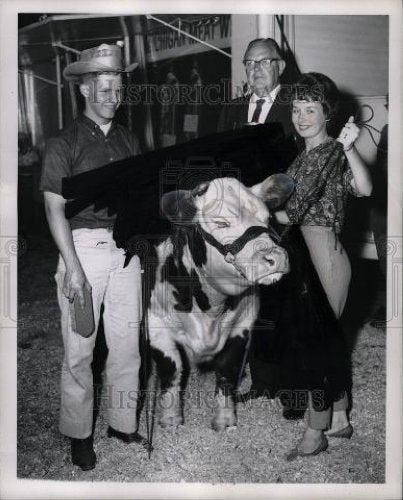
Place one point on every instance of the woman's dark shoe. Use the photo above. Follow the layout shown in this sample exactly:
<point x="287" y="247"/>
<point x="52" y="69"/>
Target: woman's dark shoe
<point x="82" y="453"/>
<point x="295" y="452"/>
<point x="346" y="432"/>
<point x="132" y="437"/>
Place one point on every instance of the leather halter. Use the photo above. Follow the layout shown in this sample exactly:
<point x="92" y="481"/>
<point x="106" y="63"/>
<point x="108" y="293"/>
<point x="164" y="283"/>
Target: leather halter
<point x="230" y="250"/>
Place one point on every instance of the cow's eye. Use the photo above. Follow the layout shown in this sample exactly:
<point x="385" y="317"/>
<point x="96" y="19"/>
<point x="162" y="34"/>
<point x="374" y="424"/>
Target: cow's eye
<point x="221" y="223"/>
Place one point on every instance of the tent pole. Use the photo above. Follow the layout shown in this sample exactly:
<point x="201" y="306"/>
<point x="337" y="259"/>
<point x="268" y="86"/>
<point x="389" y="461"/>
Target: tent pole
<point x="31" y="105"/>
<point x="73" y="99"/>
<point x="66" y="48"/>
<point x="126" y="49"/>
<point x="59" y="92"/>
<point x="141" y="57"/>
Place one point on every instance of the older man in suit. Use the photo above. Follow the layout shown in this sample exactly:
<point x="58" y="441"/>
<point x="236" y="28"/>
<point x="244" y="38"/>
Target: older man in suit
<point x="266" y="101"/>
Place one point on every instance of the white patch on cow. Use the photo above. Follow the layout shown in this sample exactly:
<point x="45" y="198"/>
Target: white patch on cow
<point x="170" y="408"/>
<point x="224" y="413"/>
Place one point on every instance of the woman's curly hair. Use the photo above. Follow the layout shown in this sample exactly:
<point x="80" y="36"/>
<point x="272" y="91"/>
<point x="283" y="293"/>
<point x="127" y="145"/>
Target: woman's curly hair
<point x="317" y="87"/>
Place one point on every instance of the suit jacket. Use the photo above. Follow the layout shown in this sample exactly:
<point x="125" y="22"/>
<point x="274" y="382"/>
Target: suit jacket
<point x="234" y="115"/>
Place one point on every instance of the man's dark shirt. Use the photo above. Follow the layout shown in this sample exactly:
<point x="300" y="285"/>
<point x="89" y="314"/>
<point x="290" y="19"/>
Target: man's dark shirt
<point x="79" y="148"/>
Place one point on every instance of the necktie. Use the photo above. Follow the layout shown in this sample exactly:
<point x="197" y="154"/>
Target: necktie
<point x="258" y="110"/>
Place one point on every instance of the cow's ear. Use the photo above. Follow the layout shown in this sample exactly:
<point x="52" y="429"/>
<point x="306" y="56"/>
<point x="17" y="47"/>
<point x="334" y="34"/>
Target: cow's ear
<point x="178" y="206"/>
<point x="275" y="190"/>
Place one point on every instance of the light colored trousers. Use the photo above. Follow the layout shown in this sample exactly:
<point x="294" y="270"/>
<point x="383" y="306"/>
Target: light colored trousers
<point x="331" y="263"/>
<point x="119" y="289"/>
<point x="334" y="270"/>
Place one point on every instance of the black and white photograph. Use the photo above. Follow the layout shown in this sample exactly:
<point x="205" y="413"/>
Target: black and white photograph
<point x="201" y="250"/>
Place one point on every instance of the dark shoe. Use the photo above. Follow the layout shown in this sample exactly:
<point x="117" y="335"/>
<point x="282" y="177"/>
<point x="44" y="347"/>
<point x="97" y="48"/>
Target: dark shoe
<point x="295" y="452"/>
<point x="291" y="414"/>
<point x="132" y="437"/>
<point x="82" y="453"/>
<point x="346" y="432"/>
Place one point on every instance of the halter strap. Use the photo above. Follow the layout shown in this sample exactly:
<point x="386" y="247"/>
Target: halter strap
<point x="229" y="250"/>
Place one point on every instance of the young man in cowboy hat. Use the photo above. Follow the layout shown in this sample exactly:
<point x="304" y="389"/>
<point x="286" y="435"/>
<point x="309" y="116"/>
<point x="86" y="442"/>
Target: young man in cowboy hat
<point x="90" y="261"/>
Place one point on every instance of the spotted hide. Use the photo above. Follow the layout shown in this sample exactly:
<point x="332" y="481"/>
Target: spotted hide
<point x="204" y="297"/>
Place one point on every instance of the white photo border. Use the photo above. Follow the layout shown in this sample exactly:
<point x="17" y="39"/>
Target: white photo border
<point x="10" y="486"/>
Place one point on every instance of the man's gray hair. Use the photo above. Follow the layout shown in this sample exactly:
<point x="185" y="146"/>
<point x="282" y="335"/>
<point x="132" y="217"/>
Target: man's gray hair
<point x="270" y="42"/>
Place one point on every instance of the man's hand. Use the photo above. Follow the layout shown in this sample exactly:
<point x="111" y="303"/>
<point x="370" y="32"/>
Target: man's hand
<point x="74" y="279"/>
<point x="349" y="134"/>
<point x="74" y="283"/>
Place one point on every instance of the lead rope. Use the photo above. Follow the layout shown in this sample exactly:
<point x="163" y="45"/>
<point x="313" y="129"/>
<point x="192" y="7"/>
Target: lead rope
<point x="153" y="398"/>
<point x="151" y="395"/>
<point x="244" y="360"/>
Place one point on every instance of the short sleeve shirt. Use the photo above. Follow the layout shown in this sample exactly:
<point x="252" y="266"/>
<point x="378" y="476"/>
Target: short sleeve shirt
<point x="80" y="148"/>
<point x="322" y="182"/>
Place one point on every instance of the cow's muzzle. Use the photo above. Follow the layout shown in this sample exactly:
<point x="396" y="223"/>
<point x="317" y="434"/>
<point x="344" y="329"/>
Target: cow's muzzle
<point x="275" y="264"/>
<point x="277" y="260"/>
<point x="262" y="267"/>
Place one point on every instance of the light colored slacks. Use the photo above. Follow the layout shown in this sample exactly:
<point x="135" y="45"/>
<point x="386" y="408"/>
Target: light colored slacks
<point x="332" y="264"/>
<point x="119" y="289"/>
<point x="334" y="270"/>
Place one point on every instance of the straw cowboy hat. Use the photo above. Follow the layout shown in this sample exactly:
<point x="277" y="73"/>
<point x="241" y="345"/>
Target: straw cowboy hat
<point x="97" y="59"/>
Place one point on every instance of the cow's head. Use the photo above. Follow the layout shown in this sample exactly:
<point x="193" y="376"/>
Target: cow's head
<point x="233" y="221"/>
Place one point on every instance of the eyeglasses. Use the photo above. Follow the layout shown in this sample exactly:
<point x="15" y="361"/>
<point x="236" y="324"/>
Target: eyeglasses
<point x="251" y="63"/>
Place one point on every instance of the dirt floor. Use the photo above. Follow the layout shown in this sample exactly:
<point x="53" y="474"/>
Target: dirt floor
<point x="253" y="452"/>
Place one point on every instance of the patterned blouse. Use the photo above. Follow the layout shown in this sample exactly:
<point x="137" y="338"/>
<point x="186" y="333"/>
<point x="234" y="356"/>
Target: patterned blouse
<point x="322" y="183"/>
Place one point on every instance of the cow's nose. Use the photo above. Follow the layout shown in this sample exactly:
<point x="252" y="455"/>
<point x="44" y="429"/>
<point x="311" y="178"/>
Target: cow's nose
<point x="270" y="260"/>
<point x="276" y="259"/>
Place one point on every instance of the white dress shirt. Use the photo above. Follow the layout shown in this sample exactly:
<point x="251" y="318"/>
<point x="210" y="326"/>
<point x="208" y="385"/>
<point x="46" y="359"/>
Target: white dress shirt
<point x="105" y="128"/>
<point x="269" y="99"/>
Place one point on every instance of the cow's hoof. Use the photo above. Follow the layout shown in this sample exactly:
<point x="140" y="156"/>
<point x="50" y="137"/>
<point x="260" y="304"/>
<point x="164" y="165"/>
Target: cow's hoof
<point x="223" y="423"/>
<point x="171" y="421"/>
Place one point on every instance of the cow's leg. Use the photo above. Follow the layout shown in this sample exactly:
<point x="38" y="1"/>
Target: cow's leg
<point x="169" y="367"/>
<point x="228" y="363"/>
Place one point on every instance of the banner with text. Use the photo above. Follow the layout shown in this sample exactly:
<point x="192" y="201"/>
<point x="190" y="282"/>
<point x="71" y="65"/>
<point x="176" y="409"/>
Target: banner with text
<point x="164" y="43"/>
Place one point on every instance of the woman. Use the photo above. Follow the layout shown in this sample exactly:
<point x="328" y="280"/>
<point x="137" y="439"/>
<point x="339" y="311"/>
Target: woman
<point x="324" y="173"/>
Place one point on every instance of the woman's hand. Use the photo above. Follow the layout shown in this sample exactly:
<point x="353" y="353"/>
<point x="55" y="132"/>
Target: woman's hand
<point x="361" y="181"/>
<point x="349" y="134"/>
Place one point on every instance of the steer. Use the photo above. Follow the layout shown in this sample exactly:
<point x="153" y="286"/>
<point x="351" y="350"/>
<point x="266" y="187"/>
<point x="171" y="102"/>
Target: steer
<point x="204" y="298"/>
